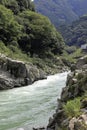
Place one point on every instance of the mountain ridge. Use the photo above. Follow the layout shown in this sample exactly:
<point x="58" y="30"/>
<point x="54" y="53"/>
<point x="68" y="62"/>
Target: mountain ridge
<point x="75" y="33"/>
<point x="61" y="12"/>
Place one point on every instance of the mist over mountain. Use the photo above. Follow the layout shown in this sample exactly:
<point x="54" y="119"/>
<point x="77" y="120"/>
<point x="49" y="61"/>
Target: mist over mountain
<point x="61" y="11"/>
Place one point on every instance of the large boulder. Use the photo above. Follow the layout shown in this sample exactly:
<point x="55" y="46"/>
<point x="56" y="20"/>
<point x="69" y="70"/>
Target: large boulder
<point x="81" y="62"/>
<point x="15" y="73"/>
<point x="79" y="123"/>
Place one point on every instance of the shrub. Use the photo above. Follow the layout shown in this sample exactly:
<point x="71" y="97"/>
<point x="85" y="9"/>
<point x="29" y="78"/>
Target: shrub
<point x="9" y="27"/>
<point x="72" y="108"/>
<point x="18" y="5"/>
<point x="40" y="35"/>
<point x="79" y="76"/>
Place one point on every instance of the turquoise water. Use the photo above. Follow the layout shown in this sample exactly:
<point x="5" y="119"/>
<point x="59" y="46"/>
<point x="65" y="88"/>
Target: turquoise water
<point x="30" y="106"/>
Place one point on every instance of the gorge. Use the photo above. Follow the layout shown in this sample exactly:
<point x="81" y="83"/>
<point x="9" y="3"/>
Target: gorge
<point x="36" y="90"/>
<point x="31" y="106"/>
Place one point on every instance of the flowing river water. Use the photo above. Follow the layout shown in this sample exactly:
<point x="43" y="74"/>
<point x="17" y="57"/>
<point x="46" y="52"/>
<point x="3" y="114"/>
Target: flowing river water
<point x="30" y="106"/>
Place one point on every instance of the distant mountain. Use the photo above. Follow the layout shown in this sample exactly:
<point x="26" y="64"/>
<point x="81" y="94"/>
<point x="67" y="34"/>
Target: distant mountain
<point x="76" y="33"/>
<point x="61" y="11"/>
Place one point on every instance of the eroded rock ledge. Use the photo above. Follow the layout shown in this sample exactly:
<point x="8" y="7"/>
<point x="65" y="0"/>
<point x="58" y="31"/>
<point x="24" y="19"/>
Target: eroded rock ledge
<point x="76" y="88"/>
<point x="15" y="73"/>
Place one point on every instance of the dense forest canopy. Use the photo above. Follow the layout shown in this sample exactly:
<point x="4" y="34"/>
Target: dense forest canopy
<point x="22" y="27"/>
<point x="76" y="33"/>
<point x="61" y="11"/>
<point x="18" y="5"/>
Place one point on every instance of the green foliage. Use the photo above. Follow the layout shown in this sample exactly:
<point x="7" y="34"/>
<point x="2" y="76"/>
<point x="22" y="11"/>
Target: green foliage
<point x="61" y="11"/>
<point x="70" y="49"/>
<point x="18" y="5"/>
<point x="40" y="35"/>
<point x="80" y="76"/>
<point x="76" y="33"/>
<point x="13" y="52"/>
<point x="3" y="48"/>
<point x="27" y="35"/>
<point x="83" y="82"/>
<point x="9" y="27"/>
<point x="72" y="108"/>
<point x="72" y="58"/>
<point x="84" y="100"/>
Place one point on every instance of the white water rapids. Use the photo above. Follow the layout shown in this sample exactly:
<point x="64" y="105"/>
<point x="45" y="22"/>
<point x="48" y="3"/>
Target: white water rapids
<point x="30" y="106"/>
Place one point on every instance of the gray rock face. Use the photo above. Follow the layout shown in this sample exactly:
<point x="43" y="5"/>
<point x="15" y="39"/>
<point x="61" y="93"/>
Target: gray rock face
<point x="16" y="73"/>
<point x="76" y="86"/>
<point x="79" y="123"/>
<point x="81" y="62"/>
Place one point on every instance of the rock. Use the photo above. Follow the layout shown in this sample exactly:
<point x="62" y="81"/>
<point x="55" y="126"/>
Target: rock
<point x="15" y="73"/>
<point x="83" y="118"/>
<point x="6" y="83"/>
<point x="71" y="123"/>
<point x="65" y="122"/>
<point x="58" y="118"/>
<point x="73" y="67"/>
<point x="79" y="126"/>
<point x="74" y="81"/>
<point x="76" y="86"/>
<point x="84" y="67"/>
<point x="69" y="78"/>
<point x="81" y="61"/>
<point x="41" y="128"/>
<point x="84" y="103"/>
<point x="66" y="62"/>
<point x="65" y="94"/>
<point x="79" y="123"/>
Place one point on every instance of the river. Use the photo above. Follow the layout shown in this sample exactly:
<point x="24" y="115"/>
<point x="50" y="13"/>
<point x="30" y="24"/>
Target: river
<point x="30" y="106"/>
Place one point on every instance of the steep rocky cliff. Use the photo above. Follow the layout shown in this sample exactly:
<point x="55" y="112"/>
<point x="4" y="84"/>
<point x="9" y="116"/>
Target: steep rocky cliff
<point x="15" y="73"/>
<point x="72" y="107"/>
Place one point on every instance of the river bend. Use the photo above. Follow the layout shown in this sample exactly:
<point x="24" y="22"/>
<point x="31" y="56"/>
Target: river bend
<point x="30" y="106"/>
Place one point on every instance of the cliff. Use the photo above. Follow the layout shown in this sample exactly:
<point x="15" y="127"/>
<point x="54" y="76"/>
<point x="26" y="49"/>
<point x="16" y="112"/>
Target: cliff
<point x="71" y="113"/>
<point x="15" y="73"/>
<point x="28" y="36"/>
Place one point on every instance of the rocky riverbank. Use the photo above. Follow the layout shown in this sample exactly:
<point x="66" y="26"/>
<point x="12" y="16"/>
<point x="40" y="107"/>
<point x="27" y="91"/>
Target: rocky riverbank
<point x="15" y="73"/>
<point x="71" y="113"/>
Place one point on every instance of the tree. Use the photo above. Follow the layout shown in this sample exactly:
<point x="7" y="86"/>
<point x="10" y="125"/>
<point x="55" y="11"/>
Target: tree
<point x="9" y="27"/>
<point x="40" y="35"/>
<point x="18" y="5"/>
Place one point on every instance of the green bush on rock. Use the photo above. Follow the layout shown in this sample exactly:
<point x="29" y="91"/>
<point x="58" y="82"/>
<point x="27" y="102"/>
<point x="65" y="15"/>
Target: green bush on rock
<point x="72" y="108"/>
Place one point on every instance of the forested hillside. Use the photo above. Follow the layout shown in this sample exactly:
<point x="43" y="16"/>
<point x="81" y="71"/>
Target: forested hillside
<point x="25" y="34"/>
<point x="76" y="33"/>
<point x="61" y="11"/>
